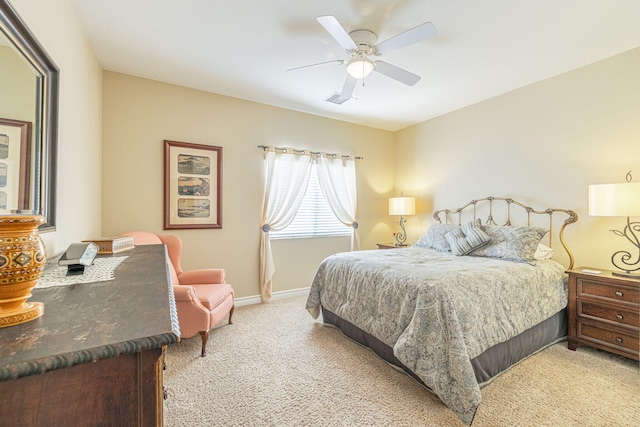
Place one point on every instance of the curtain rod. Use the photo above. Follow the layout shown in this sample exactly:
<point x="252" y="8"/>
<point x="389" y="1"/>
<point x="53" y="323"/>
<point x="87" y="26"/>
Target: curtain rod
<point x="316" y="153"/>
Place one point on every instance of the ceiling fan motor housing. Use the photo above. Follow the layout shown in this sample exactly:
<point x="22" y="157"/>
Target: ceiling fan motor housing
<point x="365" y="40"/>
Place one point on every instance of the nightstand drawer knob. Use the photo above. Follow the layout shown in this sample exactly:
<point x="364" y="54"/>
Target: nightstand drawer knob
<point x="618" y="340"/>
<point x="619" y="316"/>
<point x="618" y="293"/>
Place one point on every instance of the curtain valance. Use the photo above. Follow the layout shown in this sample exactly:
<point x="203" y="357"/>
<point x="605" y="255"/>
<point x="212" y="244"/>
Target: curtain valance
<point x="312" y="154"/>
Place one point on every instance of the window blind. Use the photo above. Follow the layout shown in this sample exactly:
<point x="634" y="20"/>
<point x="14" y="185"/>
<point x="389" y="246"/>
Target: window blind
<point x="315" y="218"/>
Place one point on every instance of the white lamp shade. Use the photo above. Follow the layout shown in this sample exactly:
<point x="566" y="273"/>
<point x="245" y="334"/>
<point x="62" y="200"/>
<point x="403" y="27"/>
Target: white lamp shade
<point x="360" y="68"/>
<point x="402" y="206"/>
<point x="615" y="199"/>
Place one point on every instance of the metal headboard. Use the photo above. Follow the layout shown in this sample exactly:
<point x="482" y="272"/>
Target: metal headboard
<point x="571" y="217"/>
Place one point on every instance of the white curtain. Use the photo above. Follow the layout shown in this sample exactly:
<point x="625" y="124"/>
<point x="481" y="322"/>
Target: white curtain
<point x="337" y="178"/>
<point x="287" y="177"/>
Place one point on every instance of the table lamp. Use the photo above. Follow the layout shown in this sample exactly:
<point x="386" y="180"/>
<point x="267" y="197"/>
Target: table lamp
<point x="621" y="199"/>
<point x="401" y="206"/>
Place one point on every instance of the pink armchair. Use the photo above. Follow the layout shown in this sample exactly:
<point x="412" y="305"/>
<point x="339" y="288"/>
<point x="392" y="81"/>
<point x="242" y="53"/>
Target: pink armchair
<point x="202" y="297"/>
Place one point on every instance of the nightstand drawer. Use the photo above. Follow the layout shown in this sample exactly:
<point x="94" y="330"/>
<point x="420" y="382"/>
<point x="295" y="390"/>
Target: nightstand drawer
<point x="617" y="315"/>
<point x="628" y="341"/>
<point x="609" y="291"/>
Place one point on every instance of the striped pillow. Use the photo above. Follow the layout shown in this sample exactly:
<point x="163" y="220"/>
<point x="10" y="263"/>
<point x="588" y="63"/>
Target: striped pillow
<point x="467" y="238"/>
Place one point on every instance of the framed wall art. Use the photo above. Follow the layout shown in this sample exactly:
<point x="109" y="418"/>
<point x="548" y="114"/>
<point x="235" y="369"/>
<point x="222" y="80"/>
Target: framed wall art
<point x="192" y="185"/>
<point x="15" y="165"/>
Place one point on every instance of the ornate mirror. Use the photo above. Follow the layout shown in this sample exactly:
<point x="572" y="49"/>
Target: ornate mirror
<point x="29" y="82"/>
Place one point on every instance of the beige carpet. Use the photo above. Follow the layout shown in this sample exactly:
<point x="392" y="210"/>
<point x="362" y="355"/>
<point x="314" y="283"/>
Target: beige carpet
<point x="276" y="366"/>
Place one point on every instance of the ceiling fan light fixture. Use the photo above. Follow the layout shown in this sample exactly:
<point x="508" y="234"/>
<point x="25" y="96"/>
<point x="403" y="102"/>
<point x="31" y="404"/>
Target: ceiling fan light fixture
<point x="360" y="68"/>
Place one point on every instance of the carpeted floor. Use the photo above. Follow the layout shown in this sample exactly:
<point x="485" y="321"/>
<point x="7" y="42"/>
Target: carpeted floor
<point x="277" y="366"/>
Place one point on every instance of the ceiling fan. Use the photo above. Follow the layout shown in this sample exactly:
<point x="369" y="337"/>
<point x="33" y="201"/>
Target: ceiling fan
<point x="360" y="45"/>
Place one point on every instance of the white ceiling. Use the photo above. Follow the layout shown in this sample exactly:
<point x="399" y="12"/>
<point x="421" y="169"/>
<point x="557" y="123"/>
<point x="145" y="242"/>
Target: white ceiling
<point x="243" y="48"/>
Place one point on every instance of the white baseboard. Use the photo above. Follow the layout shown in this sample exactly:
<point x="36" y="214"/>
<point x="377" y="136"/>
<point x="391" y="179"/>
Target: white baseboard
<point x="256" y="299"/>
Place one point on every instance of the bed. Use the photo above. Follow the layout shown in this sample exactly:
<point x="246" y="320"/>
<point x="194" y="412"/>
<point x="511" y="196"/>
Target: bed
<point x="469" y="300"/>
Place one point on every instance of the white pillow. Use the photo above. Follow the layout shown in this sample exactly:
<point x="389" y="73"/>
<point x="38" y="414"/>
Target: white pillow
<point x="543" y="252"/>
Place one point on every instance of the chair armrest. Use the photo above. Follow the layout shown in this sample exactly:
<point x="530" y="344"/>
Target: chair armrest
<point x="192" y="315"/>
<point x="185" y="294"/>
<point x="208" y="276"/>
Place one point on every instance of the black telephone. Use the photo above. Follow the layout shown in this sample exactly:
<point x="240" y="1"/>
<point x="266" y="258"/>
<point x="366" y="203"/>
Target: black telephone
<point x="77" y="256"/>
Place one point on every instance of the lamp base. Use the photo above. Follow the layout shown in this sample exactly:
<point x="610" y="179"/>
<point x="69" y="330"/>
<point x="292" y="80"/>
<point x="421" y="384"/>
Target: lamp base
<point x="626" y="274"/>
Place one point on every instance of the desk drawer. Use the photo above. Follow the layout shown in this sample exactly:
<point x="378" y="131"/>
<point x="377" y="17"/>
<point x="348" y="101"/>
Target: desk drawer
<point x="615" y="338"/>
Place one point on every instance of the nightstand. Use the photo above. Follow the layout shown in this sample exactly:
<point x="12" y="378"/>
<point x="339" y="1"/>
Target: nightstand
<point x="604" y="312"/>
<point x="390" y="246"/>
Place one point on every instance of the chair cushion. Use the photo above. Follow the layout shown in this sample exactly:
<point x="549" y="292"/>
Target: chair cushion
<point x="212" y="295"/>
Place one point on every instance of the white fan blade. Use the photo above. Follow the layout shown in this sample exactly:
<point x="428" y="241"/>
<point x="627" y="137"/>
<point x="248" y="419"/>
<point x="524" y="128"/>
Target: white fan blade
<point x="336" y="30"/>
<point x="396" y="73"/>
<point x="348" y="88"/>
<point x="304" y="67"/>
<point x="409" y="37"/>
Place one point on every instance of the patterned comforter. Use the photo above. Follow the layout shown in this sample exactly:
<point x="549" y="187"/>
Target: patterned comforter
<point x="438" y="311"/>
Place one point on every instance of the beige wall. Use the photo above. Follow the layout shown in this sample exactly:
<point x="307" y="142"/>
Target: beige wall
<point x="544" y="144"/>
<point x="139" y="114"/>
<point x="79" y="196"/>
<point x="551" y="139"/>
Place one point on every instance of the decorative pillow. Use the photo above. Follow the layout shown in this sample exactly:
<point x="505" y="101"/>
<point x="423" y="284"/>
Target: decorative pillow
<point x="513" y="243"/>
<point x="467" y="238"/>
<point x="543" y="252"/>
<point x="434" y="237"/>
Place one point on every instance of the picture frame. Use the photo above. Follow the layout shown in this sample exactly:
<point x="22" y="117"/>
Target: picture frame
<point x="15" y="165"/>
<point x="192" y="185"/>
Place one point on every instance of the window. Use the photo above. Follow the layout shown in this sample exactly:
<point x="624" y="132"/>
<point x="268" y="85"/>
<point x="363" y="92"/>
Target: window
<point x="315" y="217"/>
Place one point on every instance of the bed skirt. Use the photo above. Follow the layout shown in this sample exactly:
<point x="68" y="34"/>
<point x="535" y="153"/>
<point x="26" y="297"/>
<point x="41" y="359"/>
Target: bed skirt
<point x="489" y="364"/>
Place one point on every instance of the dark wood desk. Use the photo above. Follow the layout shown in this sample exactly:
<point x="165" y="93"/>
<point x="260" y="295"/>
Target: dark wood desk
<point x="96" y="355"/>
